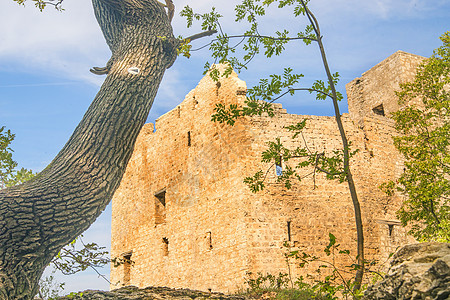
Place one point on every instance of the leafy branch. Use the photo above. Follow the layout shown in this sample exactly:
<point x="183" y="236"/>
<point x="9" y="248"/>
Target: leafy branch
<point x="41" y="4"/>
<point x="71" y="260"/>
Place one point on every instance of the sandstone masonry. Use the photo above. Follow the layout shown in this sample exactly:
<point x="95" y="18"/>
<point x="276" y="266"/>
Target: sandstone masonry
<point x="185" y="218"/>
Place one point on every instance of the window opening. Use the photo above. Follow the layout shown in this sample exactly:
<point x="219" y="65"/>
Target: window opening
<point x="379" y="110"/>
<point x="165" y="246"/>
<point x="278" y="166"/>
<point x="189" y="138"/>
<point x="209" y="240"/>
<point x="289" y="230"/>
<point x="390" y="224"/>
<point x="126" y="268"/>
<point x="391" y="229"/>
<point x="160" y="206"/>
<point x="161" y="196"/>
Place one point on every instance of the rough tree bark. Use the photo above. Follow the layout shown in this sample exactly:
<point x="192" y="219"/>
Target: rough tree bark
<point x="41" y="216"/>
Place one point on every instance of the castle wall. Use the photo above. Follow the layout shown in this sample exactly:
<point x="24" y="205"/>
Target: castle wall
<point x="186" y="219"/>
<point x="201" y="228"/>
<point x="314" y="208"/>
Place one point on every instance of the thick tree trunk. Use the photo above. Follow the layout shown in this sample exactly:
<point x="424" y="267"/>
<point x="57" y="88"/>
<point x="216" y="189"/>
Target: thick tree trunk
<point x="41" y="216"/>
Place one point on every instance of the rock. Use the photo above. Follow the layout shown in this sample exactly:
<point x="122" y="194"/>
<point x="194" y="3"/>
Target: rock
<point x="418" y="271"/>
<point x="153" y="293"/>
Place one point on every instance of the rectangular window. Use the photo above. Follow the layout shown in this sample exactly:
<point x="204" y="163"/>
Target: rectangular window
<point x="160" y="206"/>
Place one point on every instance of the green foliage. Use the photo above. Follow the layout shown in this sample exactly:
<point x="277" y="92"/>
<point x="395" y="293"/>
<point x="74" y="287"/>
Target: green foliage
<point x="20" y="176"/>
<point x="258" y="97"/>
<point x="256" y="182"/>
<point x="279" y="287"/>
<point x="233" y="112"/>
<point x="425" y="144"/>
<point x="74" y="295"/>
<point x="184" y="48"/>
<point x="252" y="42"/>
<point x="323" y="90"/>
<point x="209" y="20"/>
<point x="330" y="164"/>
<point x="7" y="164"/>
<point x="9" y="175"/>
<point x="331" y="283"/>
<point x="49" y="288"/>
<point x="267" y="90"/>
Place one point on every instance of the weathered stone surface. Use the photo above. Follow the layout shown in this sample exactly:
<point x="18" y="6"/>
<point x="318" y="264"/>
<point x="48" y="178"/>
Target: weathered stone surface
<point x="151" y="293"/>
<point x="418" y="271"/>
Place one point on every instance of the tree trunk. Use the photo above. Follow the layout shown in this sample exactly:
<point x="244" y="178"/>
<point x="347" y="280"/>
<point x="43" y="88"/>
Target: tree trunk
<point x="345" y="144"/>
<point x="41" y="216"/>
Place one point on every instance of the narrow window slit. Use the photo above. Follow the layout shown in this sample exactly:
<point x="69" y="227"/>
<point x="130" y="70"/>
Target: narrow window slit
<point x="209" y="240"/>
<point x="160" y="206"/>
<point x="289" y="230"/>
<point x="391" y="229"/>
<point x="165" y="246"/>
<point x="189" y="138"/>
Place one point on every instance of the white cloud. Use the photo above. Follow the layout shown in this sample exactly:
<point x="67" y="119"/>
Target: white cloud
<point x="67" y="43"/>
<point x="369" y="10"/>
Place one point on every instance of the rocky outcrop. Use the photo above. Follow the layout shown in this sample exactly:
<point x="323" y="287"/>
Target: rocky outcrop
<point x="150" y="293"/>
<point x="418" y="271"/>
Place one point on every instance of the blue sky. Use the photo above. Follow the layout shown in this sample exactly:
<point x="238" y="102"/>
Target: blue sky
<point x="45" y="84"/>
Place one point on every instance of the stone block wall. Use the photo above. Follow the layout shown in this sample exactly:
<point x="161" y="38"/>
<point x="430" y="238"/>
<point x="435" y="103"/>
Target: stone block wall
<point x="187" y="219"/>
<point x="374" y="92"/>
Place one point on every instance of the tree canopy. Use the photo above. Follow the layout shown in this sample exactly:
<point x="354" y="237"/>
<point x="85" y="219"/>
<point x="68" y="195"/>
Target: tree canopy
<point x="424" y="125"/>
<point x="9" y="175"/>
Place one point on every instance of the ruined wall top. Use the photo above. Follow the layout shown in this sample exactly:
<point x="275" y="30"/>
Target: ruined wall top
<point x="371" y="95"/>
<point x="374" y="92"/>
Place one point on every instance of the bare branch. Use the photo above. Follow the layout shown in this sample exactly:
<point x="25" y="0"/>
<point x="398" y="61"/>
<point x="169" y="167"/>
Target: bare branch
<point x="200" y="35"/>
<point x="99" y="71"/>
<point x="57" y="5"/>
<point x="170" y="9"/>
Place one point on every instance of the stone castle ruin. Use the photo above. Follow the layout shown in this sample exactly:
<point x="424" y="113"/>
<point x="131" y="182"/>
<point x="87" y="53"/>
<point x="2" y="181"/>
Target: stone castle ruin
<point x="185" y="219"/>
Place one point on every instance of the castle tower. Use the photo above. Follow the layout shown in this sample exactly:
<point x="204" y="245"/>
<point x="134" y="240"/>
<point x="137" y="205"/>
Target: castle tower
<point x="183" y="218"/>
